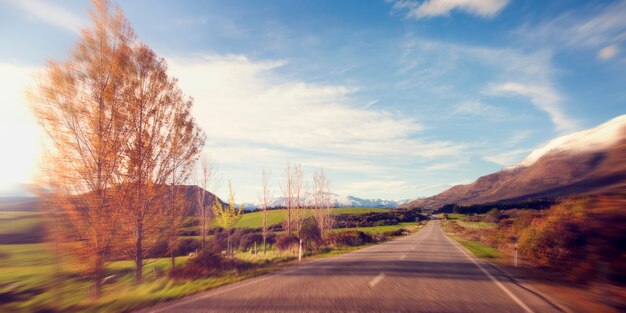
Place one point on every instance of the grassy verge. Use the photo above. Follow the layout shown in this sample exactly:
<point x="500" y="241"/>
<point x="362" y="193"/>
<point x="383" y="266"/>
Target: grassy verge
<point x="254" y="219"/>
<point x="479" y="249"/>
<point x="27" y="285"/>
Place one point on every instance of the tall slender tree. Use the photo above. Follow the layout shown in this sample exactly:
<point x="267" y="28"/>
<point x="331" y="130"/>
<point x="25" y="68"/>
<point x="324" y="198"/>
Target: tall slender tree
<point x="321" y="201"/>
<point x="287" y="191"/>
<point x="80" y="103"/>
<point x="158" y="113"/>
<point x="205" y="175"/>
<point x="265" y="200"/>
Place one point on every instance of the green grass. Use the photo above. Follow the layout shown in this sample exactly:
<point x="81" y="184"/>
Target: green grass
<point x="255" y="219"/>
<point x="378" y="229"/>
<point x="27" y="271"/>
<point x="17" y="222"/>
<point x="477" y="225"/>
<point x="479" y="249"/>
<point x="455" y="216"/>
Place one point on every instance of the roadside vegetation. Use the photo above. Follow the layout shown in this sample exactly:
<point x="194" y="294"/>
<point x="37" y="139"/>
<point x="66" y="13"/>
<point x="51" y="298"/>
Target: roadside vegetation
<point x="580" y="237"/>
<point x="31" y="280"/>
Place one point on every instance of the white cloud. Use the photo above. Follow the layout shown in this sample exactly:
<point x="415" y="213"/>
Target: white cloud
<point x="50" y="13"/>
<point x="431" y="8"/>
<point x="255" y="117"/>
<point x="19" y="134"/>
<point x="607" y="52"/>
<point x="507" y="158"/>
<point x="242" y="101"/>
<point x="543" y="97"/>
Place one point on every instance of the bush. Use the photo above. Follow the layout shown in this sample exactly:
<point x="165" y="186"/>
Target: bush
<point x="209" y="262"/>
<point x="160" y="248"/>
<point x="285" y="242"/>
<point x="349" y="238"/>
<point x="310" y="233"/>
<point x="395" y="233"/>
<point x="247" y="241"/>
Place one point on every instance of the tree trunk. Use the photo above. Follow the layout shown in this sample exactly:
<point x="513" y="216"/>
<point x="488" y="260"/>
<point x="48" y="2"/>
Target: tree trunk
<point x="203" y="226"/>
<point x="139" y="254"/>
<point x="172" y="261"/>
<point x="99" y="268"/>
<point x="228" y="244"/>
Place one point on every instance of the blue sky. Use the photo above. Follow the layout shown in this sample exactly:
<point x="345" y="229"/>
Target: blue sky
<point x="394" y="99"/>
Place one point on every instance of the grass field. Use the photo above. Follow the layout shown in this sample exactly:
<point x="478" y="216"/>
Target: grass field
<point x="16" y="222"/>
<point x="378" y="229"/>
<point x="254" y="219"/>
<point x="27" y="271"/>
<point x="476" y="225"/>
<point x="455" y="216"/>
<point x="479" y="249"/>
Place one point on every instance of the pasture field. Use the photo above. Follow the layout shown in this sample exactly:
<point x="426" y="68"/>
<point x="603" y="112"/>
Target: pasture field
<point x="254" y="219"/>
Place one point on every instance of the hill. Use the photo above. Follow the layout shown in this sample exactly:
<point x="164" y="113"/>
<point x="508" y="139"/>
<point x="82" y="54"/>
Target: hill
<point x="592" y="161"/>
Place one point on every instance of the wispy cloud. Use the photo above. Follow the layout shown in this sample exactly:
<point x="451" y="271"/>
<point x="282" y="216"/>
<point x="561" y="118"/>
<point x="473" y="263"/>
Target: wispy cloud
<point x="432" y="8"/>
<point x="544" y="98"/>
<point x="478" y="109"/>
<point x="255" y="117"/>
<point x="50" y="13"/>
<point x="596" y="27"/>
<point x="428" y="64"/>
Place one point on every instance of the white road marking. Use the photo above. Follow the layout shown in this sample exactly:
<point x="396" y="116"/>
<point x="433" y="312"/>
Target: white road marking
<point x="413" y="248"/>
<point x="376" y="280"/>
<point x="507" y="291"/>
<point x="402" y="257"/>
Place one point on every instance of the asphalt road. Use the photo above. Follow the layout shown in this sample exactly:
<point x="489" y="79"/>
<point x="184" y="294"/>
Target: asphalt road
<point x="423" y="272"/>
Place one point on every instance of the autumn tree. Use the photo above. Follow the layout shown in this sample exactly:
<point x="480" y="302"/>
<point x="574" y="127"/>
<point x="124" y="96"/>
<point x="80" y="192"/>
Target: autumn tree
<point x="226" y="216"/>
<point x="160" y="123"/>
<point x="174" y="210"/>
<point x="81" y="104"/>
<point x="265" y="201"/>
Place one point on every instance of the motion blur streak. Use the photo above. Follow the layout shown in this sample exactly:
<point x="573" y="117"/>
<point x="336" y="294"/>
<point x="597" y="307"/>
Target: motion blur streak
<point x="436" y="277"/>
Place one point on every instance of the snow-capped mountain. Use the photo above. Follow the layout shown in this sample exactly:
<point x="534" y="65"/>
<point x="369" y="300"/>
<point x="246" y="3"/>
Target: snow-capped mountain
<point x="339" y="201"/>
<point x="591" y="161"/>
<point x="594" y="139"/>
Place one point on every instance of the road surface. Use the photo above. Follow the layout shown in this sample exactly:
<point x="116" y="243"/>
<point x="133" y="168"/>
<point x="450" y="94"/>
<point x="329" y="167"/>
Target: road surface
<point x="423" y="272"/>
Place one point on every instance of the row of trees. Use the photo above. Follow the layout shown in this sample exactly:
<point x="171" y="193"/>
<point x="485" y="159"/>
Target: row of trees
<point x="294" y="190"/>
<point x="121" y="139"/>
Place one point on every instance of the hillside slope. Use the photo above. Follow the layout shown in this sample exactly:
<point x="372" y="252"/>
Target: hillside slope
<point x="587" y="162"/>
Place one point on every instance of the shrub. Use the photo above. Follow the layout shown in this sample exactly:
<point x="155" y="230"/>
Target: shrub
<point x="349" y="238"/>
<point x="285" y="242"/>
<point x="209" y="262"/>
<point x="395" y="233"/>
<point x="310" y="233"/>
<point x="247" y="241"/>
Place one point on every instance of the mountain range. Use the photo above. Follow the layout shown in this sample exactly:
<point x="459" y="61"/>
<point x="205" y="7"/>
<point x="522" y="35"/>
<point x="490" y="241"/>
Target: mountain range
<point x="591" y="161"/>
<point x="339" y="201"/>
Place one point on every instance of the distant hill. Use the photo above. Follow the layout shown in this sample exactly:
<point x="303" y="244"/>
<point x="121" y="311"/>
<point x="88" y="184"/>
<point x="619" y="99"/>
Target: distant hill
<point x="592" y="161"/>
<point x="31" y="204"/>
<point x="25" y="204"/>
